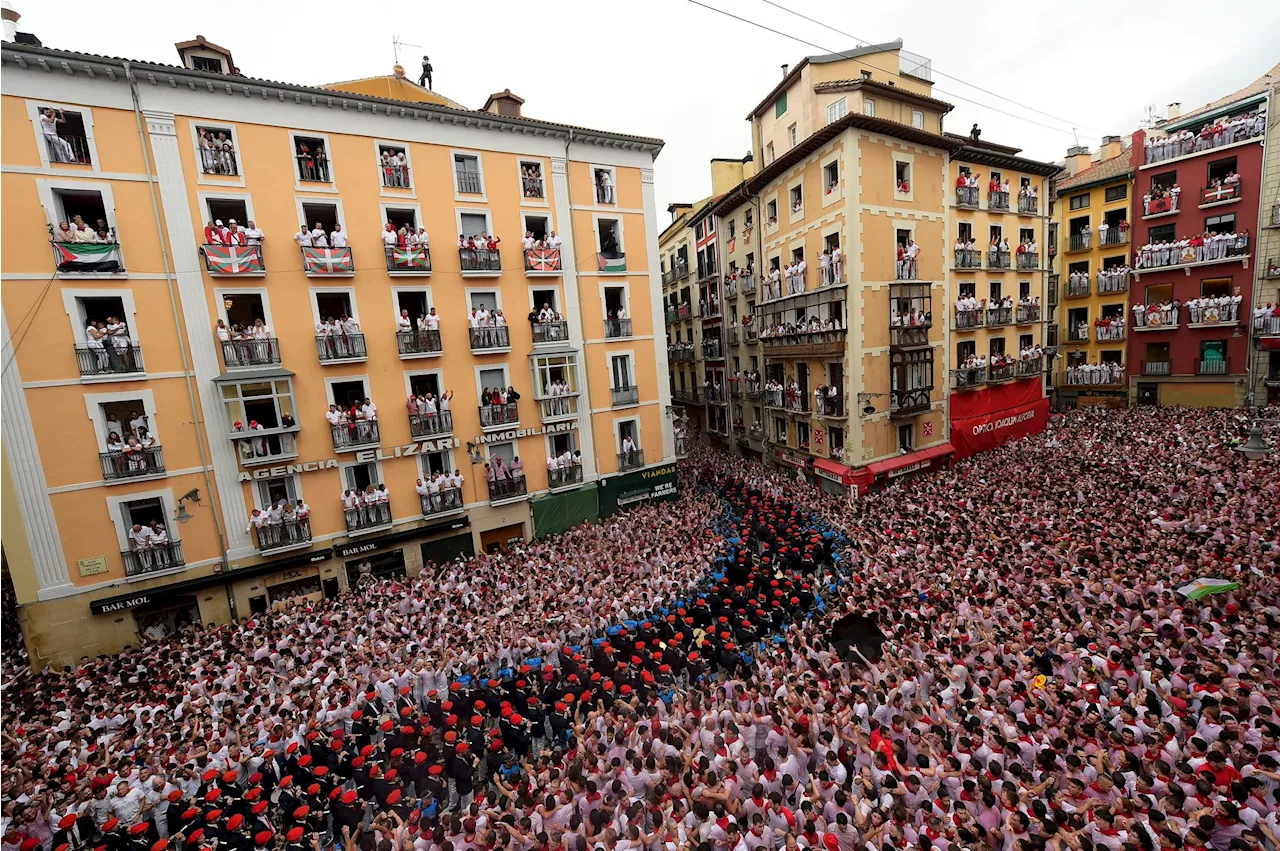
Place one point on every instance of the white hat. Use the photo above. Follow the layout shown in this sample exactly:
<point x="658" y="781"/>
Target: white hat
<point x="218" y="222"/>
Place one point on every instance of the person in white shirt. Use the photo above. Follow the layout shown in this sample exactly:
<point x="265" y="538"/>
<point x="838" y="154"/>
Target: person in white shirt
<point x="319" y="239"/>
<point x="303" y="236"/>
<point x="253" y="234"/>
<point x="140" y="539"/>
<point x="404" y="323"/>
<point x="335" y="416"/>
<point x="338" y="239"/>
<point x="554" y="241"/>
<point x="95" y="337"/>
<point x="389" y="236"/>
<point x="369" y="410"/>
<point x="160" y="544"/>
<point x="432" y="320"/>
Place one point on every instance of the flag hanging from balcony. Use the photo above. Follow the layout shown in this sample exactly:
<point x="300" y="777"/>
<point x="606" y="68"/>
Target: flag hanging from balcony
<point x="88" y="257"/>
<point x="327" y="261"/>
<point x="542" y="259"/>
<point x="233" y="259"/>
<point x="411" y="258"/>
<point x="1220" y="193"/>
<point x="611" y="264"/>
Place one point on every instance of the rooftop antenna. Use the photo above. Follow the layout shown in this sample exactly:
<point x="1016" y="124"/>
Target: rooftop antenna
<point x="1153" y="118"/>
<point x="396" y="44"/>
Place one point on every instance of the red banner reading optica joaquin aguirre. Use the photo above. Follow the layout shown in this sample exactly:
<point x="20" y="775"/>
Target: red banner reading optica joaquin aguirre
<point x="989" y="430"/>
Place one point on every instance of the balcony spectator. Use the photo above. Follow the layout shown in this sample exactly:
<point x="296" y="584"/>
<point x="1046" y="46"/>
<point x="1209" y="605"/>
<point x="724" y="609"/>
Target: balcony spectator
<point x="134" y="454"/>
<point x="604" y="187"/>
<point x="96" y="339"/>
<point x="1095" y="373"/>
<point x="208" y="152"/>
<point x="404" y="323"/>
<point x="141" y="542"/>
<point x="420" y="239"/>
<point x="369" y="411"/>
<point x="213" y="232"/>
<point x="517" y="468"/>
<point x="64" y="233"/>
<point x="253" y="234"/>
<point x="391" y="238"/>
<point x="353" y="504"/>
<point x="303" y="236"/>
<point x="160" y="545"/>
<point x="81" y="232"/>
<point x="531" y="180"/>
<point x="59" y="148"/>
<point x="121" y="351"/>
<point x="824" y="267"/>
<point x="338" y="239"/>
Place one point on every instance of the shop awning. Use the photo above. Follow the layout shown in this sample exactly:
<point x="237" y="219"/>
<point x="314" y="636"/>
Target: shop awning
<point x="1270" y="344"/>
<point x="833" y="470"/>
<point x="904" y="464"/>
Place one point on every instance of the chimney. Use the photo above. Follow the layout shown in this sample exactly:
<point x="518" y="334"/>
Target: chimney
<point x="398" y="71"/>
<point x="785" y="66"/>
<point x="1112" y="147"/>
<point x="1078" y="159"/>
<point x="1174" y="110"/>
<point x="10" y="17"/>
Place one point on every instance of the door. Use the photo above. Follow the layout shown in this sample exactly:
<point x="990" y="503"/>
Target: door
<point x="498" y="540"/>
<point x="445" y="550"/>
<point x="1148" y="394"/>
<point x="331" y="588"/>
<point x="258" y="605"/>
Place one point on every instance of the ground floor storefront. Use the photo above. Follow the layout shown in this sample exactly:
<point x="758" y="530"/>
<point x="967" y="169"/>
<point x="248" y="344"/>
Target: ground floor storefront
<point x="1188" y="391"/>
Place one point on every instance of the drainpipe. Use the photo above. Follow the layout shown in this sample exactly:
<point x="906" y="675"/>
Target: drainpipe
<point x="169" y="278"/>
<point x="586" y="361"/>
<point x="1253" y="357"/>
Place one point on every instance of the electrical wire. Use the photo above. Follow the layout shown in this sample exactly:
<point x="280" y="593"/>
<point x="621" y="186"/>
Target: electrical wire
<point x="17" y="340"/>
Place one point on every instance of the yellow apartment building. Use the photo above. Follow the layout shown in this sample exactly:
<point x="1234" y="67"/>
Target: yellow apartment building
<point x="680" y="307"/>
<point x="162" y="368"/>
<point x="1090" y="272"/>
<point x="1264" y="351"/>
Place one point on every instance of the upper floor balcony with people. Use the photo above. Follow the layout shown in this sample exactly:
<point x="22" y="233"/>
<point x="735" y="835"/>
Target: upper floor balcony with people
<point x="1195" y="250"/>
<point x="420" y="337"/>
<point x="488" y="332"/>
<point x="1216" y="133"/>
<point x="247" y="347"/>
<point x="910" y="315"/>
<point x="81" y="248"/>
<point x="479" y="256"/>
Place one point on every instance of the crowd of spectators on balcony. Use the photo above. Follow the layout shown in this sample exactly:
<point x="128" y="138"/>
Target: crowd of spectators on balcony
<point x="60" y="150"/>
<point x="913" y="317"/>
<point x="1028" y="249"/>
<point x="244" y="344"/>
<point x="908" y="254"/>
<point x="149" y="543"/>
<point x="1029" y="191"/>
<point x="426" y="322"/>
<point x="772" y="284"/>
<point x="317" y="237"/>
<point x="357" y="419"/>
<point x="747" y="382"/>
<point x="825" y="330"/>
<point x="232" y="233"/>
<point x="1222" y="188"/>
<point x="131" y="440"/>
<point x="999" y="246"/>
<point x="795" y="274"/>
<point x="499" y="473"/>
<point x="1214" y="134"/>
<point x="680" y="347"/>
<point x="1198" y="248"/>
<point x="740" y="274"/>
<point x="709" y="307"/>
<point x="1110" y="280"/>
<point x="1106" y="372"/>
<point x="405" y="237"/>
<point x="78" y="230"/>
<point x="557" y="396"/>
<point x="292" y="519"/>
<point x="1161" y="199"/>
<point x="217" y="152"/>
<point x="713" y="388"/>
<point x="395" y="169"/>
<point x="1109" y="328"/>
<point x="828" y="400"/>
<point x="365" y="508"/>
<point x="1209" y="309"/>
<point x="109" y="344"/>
<point x="831" y="265"/>
<point x="337" y="334"/>
<point x="531" y="180"/>
<point x="548" y="242"/>
<point x="313" y="164"/>
<point x="1103" y="229"/>
<point x="1157" y="314"/>
<point x="495" y="401"/>
<point x="1077" y="282"/>
<point x="485" y="324"/>
<point x="967" y="187"/>
<point x="429" y="407"/>
<point x="1266" y="319"/>
<point x="970" y="311"/>
<point x="440" y="490"/>
<point x="479" y="248"/>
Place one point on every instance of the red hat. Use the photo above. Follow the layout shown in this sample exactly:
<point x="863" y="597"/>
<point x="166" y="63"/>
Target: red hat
<point x="321" y="770"/>
<point x="313" y="789"/>
<point x="286" y="781"/>
<point x="357" y="715"/>
<point x="394" y="797"/>
<point x="407" y="729"/>
<point x="293" y="748"/>
<point x="420" y="757"/>
<point x="404" y="689"/>
<point x="70" y="818"/>
<point x="301" y="812"/>
<point x="357" y="762"/>
<point x="391" y="773"/>
<point x="396" y="753"/>
<point x="193" y="837"/>
<point x="476" y="720"/>
<point x="235" y="821"/>
<point x="626" y="689"/>
<point x="304" y="760"/>
<point x="212" y="794"/>
<point x="212" y="773"/>
<point x="190" y="813"/>
<point x="294" y="834"/>
<point x="259" y="807"/>
<point x="406" y="711"/>
<point x="111" y="824"/>
<point x="252" y="794"/>
<point x="388" y="726"/>
<point x="480" y="703"/>
<point x="230" y="776"/>
<point x="435" y="769"/>
<point x="462" y="747"/>
<point x="831" y="841"/>
<point x="450" y="736"/>
<point x="517" y="718"/>
<point x="262" y="837"/>
<point x="349" y="797"/>
<point x="212" y="816"/>
<point x="255" y="778"/>
<point x="367" y="750"/>
<point x="31" y="844"/>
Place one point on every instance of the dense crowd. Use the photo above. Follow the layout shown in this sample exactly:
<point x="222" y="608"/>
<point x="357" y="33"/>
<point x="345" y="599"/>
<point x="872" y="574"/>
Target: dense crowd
<point x="663" y="680"/>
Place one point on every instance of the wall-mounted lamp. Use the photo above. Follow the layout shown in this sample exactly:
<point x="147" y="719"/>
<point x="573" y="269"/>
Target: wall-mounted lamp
<point x="181" y="514"/>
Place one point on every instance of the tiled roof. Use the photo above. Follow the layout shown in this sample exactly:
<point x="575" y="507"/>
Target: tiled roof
<point x="821" y="59"/>
<point x="1112" y="169"/>
<point x="1257" y="87"/>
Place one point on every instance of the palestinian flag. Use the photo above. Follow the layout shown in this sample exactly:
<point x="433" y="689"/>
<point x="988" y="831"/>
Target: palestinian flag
<point x="411" y="258"/>
<point x="1206" y="586"/>
<point x="88" y="257"/>
<point x="542" y="260"/>
<point x="611" y="264"/>
<point x="328" y="261"/>
<point x="234" y="259"/>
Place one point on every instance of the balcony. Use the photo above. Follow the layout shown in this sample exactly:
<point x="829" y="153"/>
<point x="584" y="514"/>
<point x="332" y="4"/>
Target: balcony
<point x="968" y="258"/>
<point x="998" y="201"/>
<point x="908" y="336"/>
<point x="347" y="437"/>
<point x="1003" y="372"/>
<point x="1054" y="281"/>
<point x="967" y="320"/>
<point x="683" y="353"/>
<point x="550" y="332"/>
<point x="631" y="460"/>
<point x="1205" y="254"/>
<point x="750" y="334"/>
<point x="565" y="477"/>
<point x="611" y="262"/>
<point x="367" y="518"/>
<point x="238" y="354"/>
<point x="1155" y="367"/>
<point x="490" y="338"/>
<point x="265" y="446"/>
<point x="556" y="408"/>
<point x="739" y="427"/>
<point x="443" y="501"/>
<point x="999" y="316"/>
<point x="796" y="402"/>
<point x="110" y="360"/>
<point x="70" y="149"/>
<point x="967" y="379"/>
<point x="427" y="426"/>
<point x="500" y="416"/>
<point x="730" y="286"/>
<point x="416" y="344"/>
<point x="153" y="559"/>
<point x="1029" y="368"/>
<point x="625" y="395"/>
<point x="710" y="310"/>
<point x="1165" y="148"/>
<point x="1154" y="208"/>
<point x="617" y="328"/>
<point x="967" y="196"/>
<point x="1093" y="375"/>
<point x="1213" y="196"/>
<point x="751" y="388"/>
<point x="132" y="464"/>
<point x="999" y="260"/>
<point x="1113" y="236"/>
<point x="688" y="396"/>
<point x="668" y="277"/>
<point x="712" y="349"/>
<point x="503" y="490"/>
<point x="395" y="175"/>
<point x="1113" y="280"/>
<point x="542" y="262"/>
<point x="756" y="431"/>
<point x="1078" y="333"/>
<point x="680" y="268"/>
<point x="1213" y="366"/>
<point x="1027" y="314"/>
<point x="1029" y="260"/>
<point x="328" y="262"/>
<point x="733" y="335"/>
<point x="909" y="402"/>
<point x="1028" y="206"/>
<point x="341" y="348"/>
<point x="1080" y="241"/>
<point x="89" y="258"/>
<point x="289" y="534"/>
<point x="747" y="283"/>
<point x="1156" y="318"/>
<point x="805" y="343"/>
<point x="480" y="262"/>
<point x="233" y="261"/>
<point x="906" y="269"/>
<point x="1078" y="285"/>
<point x="832" y="407"/>
<point x="716" y="395"/>
<point x="773" y="398"/>
<point x="1266" y="326"/>
<point x="408" y="261"/>
<point x="468" y="182"/>
<point x="673" y="315"/>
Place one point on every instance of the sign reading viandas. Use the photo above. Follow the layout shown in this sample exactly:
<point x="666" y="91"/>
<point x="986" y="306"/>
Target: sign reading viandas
<point x="88" y="256"/>
<point x="654" y="484"/>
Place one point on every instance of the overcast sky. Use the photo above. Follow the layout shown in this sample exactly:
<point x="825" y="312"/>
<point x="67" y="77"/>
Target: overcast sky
<point x="688" y="75"/>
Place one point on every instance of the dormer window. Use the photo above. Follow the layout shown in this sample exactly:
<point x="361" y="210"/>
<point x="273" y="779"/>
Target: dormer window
<point x="200" y="54"/>
<point x="208" y="63"/>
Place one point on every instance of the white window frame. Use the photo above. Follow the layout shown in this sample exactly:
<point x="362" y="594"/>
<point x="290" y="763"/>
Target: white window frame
<point x="473" y="211"/>
<point x="411" y="374"/>
<point x="171" y="526"/>
<point x="350" y="292"/>
<point x="329" y="381"/>
<point x="548" y="443"/>
<point x="545" y="200"/>
<point x="484" y="367"/>
<point x="46" y="189"/>
<point x="453" y="465"/>
<point x="462" y="197"/>
<point x="533" y="304"/>
<point x="388" y="192"/>
<point x="536" y="365"/>
<point x="297" y="487"/>
<point x="617" y="433"/>
<point x="537" y="214"/>
<point x="778" y="223"/>
<point x="301" y="185"/>
<point x="383" y="206"/>
<point x="205" y="197"/>
<point x="626" y="300"/>
<point x="630" y="356"/>
<point x="86" y="116"/>
<point x="797" y="183"/>
<point x="829" y="198"/>
<point x="302" y="217"/>
<point x="93" y="403"/>
<point x="622" y="238"/>
<point x="495" y="292"/>
<point x="917" y="119"/>
<point x="910" y="161"/>
<point x="488" y="458"/>
<point x="613" y="178"/>
<point x="395" y="302"/>
<point x="840" y="106"/>
<point x="214" y="179"/>
<point x="793" y="135"/>
<point x="220" y="293"/>
<point x="869" y="107"/>
<point x="71" y="304"/>
<point x="343" y="466"/>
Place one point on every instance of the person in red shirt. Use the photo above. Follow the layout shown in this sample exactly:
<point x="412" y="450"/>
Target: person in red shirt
<point x="1221" y="772"/>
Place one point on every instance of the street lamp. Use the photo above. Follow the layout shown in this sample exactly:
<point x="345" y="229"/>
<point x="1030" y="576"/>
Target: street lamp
<point x="1255" y="448"/>
<point x="181" y="514"/>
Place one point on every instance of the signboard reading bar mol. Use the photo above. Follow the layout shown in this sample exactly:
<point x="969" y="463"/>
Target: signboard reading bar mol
<point x="618" y="493"/>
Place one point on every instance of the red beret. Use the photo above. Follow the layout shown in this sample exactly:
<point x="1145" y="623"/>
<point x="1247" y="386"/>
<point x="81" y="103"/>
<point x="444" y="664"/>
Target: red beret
<point x="70" y="818"/>
<point x="193" y="837"/>
<point x="349" y="797"/>
<point x="262" y="837"/>
<point x="313" y="789"/>
<point x="304" y="760"/>
<point x="435" y="769"/>
<point x="301" y="812"/>
<point x="294" y="834"/>
<point x="321" y="770"/>
<point x="190" y="813"/>
<point x="212" y="794"/>
<point x="391" y="773"/>
<point x="388" y="726"/>
<point x="210" y="774"/>
<point x="259" y="807"/>
<point x="420" y="757"/>
<point x="111" y="823"/>
<point x="235" y="821"/>
<point x="286" y="781"/>
<point x="394" y="797"/>
<point x="230" y="776"/>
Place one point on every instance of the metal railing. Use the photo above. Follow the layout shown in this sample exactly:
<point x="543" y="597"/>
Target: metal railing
<point x="331" y="348"/>
<point x="550" y="332"/>
<point x="153" y="558"/>
<point x="1267" y="326"/>
<point x="998" y="260"/>
<point x="680" y="354"/>
<point x="367" y="517"/>
<point x="730" y="286"/>
<point x="968" y="258"/>
<point x="1160" y="206"/>
<point x="430" y="425"/>
<point x="715" y="395"/>
<point x="617" y="328"/>
<point x="542" y="260"/>
<point x="290" y="533"/>
<point x="831" y="406"/>
<point x="409" y="260"/>
<point x="1218" y="194"/>
<point x="504" y="488"/>
<point x="997" y="200"/>
<point x="909" y="401"/>
<point x="733" y="335"/>
<point x="563" y="477"/>
<point x="1216" y="366"/>
<point x="219" y="160"/>
<point x="751" y="334"/>
<point x="396" y="176"/>
<point x="68" y="149"/>
<point x="999" y="315"/>
<point x="964" y="379"/>
<point x="909" y="335"/>
<point x="490" y="337"/>
<point x="631" y="460"/>
<point x="313" y="170"/>
<point x="497" y="416"/>
<point x="257" y="447"/>
<point x="468" y="183"/>
<point x="422" y="342"/>
<point x="130" y="464"/>
<point x="241" y="353"/>
<point x="1155" y="367"/>
<point x="1077" y="286"/>
<point x="712" y="349"/>
<point x="110" y="360"/>
<point x="688" y="395"/>
<point x="1029" y="260"/>
<point x="1029" y="368"/>
<point x="680" y="268"/>
<point x="1114" y="236"/>
<point x="967" y="196"/>
<point x="748" y="284"/>
<point x="238" y="260"/>
<point x="1028" y="313"/>
<point x="1077" y="333"/>
<point x="625" y="395"/>
<point x="1109" y="333"/>
<point x="442" y="501"/>
<point x="966" y="319"/>
<point x="354" y="435"/>
<point x="773" y="398"/>
<point x="1080" y="241"/>
<point x="1029" y="206"/>
<point x="906" y="269"/>
<point x="1113" y="281"/>
<point x="553" y="408"/>
<point x="1000" y="373"/>
<point x="480" y="260"/>
<point x="797" y="403"/>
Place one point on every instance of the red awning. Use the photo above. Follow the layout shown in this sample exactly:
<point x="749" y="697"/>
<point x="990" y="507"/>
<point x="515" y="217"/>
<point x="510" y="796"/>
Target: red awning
<point x="1269" y="343"/>
<point x="910" y="463"/>
<point x="833" y="470"/>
